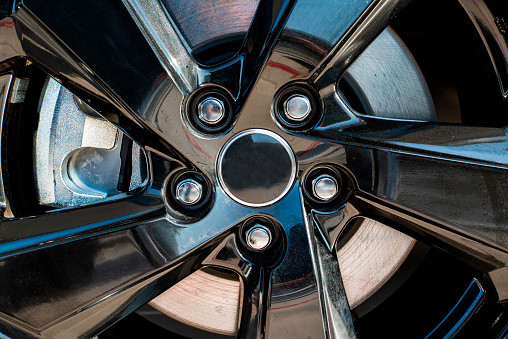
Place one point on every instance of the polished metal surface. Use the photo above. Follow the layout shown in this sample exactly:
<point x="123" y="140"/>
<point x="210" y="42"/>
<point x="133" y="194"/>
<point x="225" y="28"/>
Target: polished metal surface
<point x="5" y="83"/>
<point x="166" y="43"/>
<point x="325" y="187"/>
<point x="492" y="36"/>
<point x="247" y="158"/>
<point x="258" y="237"/>
<point x="335" y="308"/>
<point x="130" y="250"/>
<point x="211" y="110"/>
<point x="297" y="107"/>
<point x="188" y="191"/>
<point x="18" y="91"/>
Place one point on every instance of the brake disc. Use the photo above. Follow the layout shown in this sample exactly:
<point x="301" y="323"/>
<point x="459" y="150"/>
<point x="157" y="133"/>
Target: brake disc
<point x="388" y="83"/>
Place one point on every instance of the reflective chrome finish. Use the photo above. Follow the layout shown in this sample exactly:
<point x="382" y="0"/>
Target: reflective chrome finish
<point x="297" y="107"/>
<point x="18" y="90"/>
<point x="258" y="237"/>
<point x="350" y="46"/>
<point x="332" y="224"/>
<point x="244" y="162"/>
<point x="155" y="251"/>
<point x="5" y="83"/>
<point x="337" y="318"/>
<point x="325" y="187"/>
<point x="189" y="191"/>
<point x="169" y="46"/>
<point x="494" y="40"/>
<point x="211" y="110"/>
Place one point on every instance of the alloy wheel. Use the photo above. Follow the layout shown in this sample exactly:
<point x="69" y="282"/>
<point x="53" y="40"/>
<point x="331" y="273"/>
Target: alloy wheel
<point x="254" y="163"/>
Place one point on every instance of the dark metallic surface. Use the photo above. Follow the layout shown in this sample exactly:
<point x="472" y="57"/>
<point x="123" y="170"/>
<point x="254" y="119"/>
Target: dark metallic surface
<point x="467" y="305"/>
<point x="111" y="259"/>
<point x="256" y="167"/>
<point x="334" y="304"/>
<point x="492" y="36"/>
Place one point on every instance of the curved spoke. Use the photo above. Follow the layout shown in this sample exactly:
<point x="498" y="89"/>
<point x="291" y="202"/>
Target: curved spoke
<point x="306" y="285"/>
<point x="456" y="205"/>
<point x="327" y="49"/>
<point x="100" y="278"/>
<point x="167" y="43"/>
<point x="104" y="273"/>
<point x="335" y="307"/>
<point x="47" y="51"/>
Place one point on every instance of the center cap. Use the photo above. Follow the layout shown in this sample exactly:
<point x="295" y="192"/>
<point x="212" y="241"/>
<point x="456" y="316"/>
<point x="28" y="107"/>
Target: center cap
<point x="256" y="167"/>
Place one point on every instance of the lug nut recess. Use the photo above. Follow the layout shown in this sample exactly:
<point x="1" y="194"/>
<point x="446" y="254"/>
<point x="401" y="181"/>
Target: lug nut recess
<point x="325" y="186"/>
<point x="296" y="108"/>
<point x="211" y="110"/>
<point x="189" y="193"/>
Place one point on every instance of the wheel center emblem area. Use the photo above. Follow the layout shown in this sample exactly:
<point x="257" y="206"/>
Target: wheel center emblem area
<point x="256" y="167"/>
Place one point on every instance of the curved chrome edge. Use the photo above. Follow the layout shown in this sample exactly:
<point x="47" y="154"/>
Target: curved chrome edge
<point x="494" y="41"/>
<point x="277" y="137"/>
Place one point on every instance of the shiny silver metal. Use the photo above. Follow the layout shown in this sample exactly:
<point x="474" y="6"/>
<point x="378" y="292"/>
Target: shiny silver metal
<point x="5" y="83"/>
<point x="325" y="187"/>
<point x="161" y="246"/>
<point x="297" y="107"/>
<point x="335" y="309"/>
<point x="211" y="110"/>
<point x="167" y="43"/>
<point x="189" y="191"/>
<point x="258" y="237"/>
<point x="18" y="90"/>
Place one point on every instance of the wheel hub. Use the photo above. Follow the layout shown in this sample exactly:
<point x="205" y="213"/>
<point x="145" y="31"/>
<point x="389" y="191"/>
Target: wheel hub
<point x="256" y="167"/>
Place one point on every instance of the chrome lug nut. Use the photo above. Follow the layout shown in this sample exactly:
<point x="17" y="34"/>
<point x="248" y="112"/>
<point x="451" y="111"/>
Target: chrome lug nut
<point x="211" y="110"/>
<point x="259" y="237"/>
<point x="297" y="107"/>
<point x="325" y="187"/>
<point x="189" y="191"/>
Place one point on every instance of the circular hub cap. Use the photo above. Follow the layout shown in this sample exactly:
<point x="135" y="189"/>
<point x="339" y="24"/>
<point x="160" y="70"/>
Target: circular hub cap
<point x="256" y="167"/>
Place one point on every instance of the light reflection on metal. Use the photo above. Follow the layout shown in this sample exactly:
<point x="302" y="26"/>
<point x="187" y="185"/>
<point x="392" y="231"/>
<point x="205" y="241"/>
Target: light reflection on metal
<point x="493" y="39"/>
<point x="5" y="82"/>
<point x="336" y="313"/>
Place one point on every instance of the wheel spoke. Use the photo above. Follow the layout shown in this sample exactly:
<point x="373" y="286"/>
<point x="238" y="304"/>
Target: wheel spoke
<point x="106" y="271"/>
<point x="100" y="278"/>
<point x="335" y="307"/>
<point x="454" y="204"/>
<point x="305" y="283"/>
<point x="254" y="305"/>
<point x="60" y="226"/>
<point x="47" y="51"/>
<point x="479" y="145"/>
<point x="307" y="286"/>
<point x="327" y="49"/>
<point x="167" y="43"/>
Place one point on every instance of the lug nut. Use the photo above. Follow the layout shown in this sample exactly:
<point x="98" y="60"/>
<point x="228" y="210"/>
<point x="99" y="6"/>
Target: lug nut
<point x="297" y="107"/>
<point x="325" y="187"/>
<point x="259" y="237"/>
<point x="189" y="192"/>
<point x="211" y="110"/>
